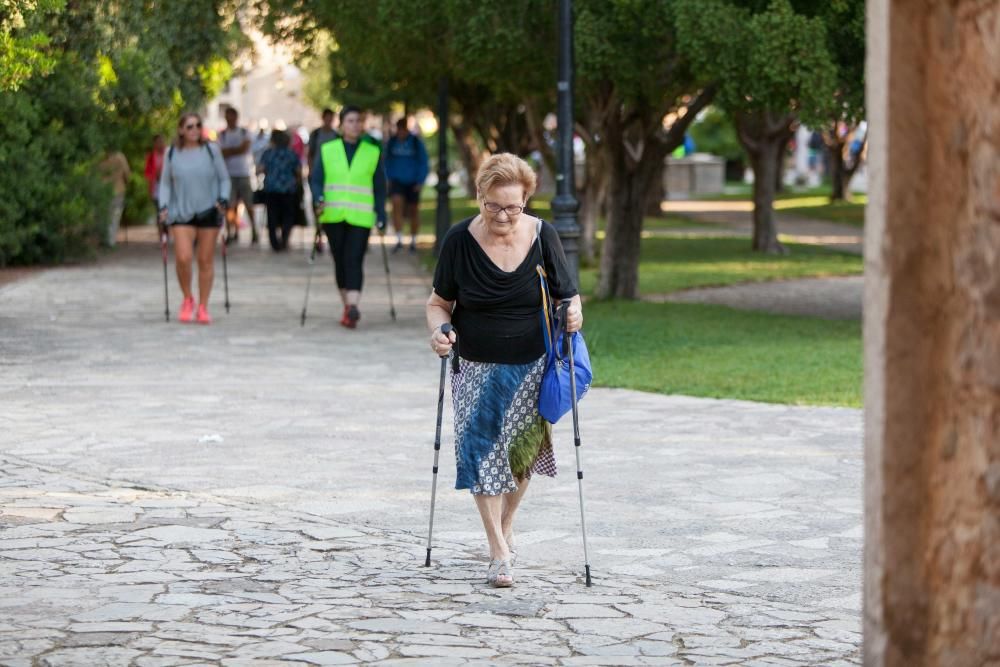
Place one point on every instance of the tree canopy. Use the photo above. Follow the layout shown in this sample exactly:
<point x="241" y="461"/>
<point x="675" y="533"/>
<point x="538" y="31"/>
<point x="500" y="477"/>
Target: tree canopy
<point x="83" y="78"/>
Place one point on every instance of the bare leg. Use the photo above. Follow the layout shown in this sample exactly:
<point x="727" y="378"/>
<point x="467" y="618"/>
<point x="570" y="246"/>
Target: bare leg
<point x="183" y="253"/>
<point x="413" y="212"/>
<point x="398" y="206"/>
<point x="253" y="223"/>
<point x="206" y="263"/>
<point x="511" y="501"/>
<point x="351" y="297"/>
<point x="232" y="221"/>
<point x="490" y="508"/>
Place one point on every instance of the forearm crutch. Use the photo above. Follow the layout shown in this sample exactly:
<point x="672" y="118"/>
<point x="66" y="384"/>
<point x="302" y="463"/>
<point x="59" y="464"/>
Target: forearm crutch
<point x="166" y="293"/>
<point x="388" y="277"/>
<point x="445" y="329"/>
<point x="312" y="262"/>
<point x="568" y="353"/>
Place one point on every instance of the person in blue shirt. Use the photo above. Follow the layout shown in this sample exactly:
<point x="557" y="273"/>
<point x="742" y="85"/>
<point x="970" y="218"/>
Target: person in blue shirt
<point x="406" y="168"/>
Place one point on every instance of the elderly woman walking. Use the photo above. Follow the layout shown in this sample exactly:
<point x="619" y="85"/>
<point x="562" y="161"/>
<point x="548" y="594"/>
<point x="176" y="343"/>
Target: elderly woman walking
<point x="193" y="195"/>
<point x="487" y="286"/>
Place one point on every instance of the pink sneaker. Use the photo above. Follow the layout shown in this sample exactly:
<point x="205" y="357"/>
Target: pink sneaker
<point x="203" y="316"/>
<point x="187" y="310"/>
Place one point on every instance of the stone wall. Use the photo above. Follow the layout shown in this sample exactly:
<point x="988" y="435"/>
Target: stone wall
<point x="932" y="334"/>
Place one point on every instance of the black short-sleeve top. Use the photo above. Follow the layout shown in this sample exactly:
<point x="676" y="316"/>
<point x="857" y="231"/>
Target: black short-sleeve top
<point x="497" y="313"/>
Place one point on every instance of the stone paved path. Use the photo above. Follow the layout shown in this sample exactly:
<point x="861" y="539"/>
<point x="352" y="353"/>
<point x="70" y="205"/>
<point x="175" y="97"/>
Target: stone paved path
<point x="830" y="298"/>
<point x="256" y="490"/>
<point x="736" y="216"/>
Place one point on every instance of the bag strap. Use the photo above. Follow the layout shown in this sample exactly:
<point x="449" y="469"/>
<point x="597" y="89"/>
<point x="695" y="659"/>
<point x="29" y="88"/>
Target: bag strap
<point x="547" y="325"/>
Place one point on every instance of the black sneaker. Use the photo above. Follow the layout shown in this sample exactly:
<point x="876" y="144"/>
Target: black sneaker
<point x="399" y="246"/>
<point x="413" y="247"/>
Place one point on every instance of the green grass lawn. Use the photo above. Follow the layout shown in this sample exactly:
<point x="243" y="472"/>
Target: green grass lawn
<point x="819" y="207"/>
<point x="671" y="264"/>
<point x="806" y="202"/>
<point x="718" y="352"/>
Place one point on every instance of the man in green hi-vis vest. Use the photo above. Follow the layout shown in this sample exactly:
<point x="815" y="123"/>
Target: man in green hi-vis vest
<point x="348" y="188"/>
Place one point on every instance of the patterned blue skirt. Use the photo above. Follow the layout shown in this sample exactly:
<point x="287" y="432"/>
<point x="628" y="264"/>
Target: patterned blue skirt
<point x="499" y="436"/>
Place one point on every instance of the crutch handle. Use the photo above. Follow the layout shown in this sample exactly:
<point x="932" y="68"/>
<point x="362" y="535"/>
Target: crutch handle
<point x="446" y="329"/>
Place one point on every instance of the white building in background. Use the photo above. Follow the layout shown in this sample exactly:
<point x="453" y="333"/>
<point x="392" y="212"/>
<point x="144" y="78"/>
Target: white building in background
<point x="268" y="94"/>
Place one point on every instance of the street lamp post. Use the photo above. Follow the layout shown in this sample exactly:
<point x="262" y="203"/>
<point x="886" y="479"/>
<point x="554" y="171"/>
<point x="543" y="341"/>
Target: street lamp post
<point x="443" y="218"/>
<point x="565" y="204"/>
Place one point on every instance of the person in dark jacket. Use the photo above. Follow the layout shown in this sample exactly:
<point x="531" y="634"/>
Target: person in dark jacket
<point x="282" y="180"/>
<point x="406" y="167"/>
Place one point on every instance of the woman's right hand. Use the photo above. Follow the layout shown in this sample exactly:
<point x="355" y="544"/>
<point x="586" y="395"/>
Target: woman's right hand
<point x="162" y="216"/>
<point x="441" y="343"/>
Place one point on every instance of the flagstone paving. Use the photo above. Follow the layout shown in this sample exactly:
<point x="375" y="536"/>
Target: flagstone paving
<point x="256" y="493"/>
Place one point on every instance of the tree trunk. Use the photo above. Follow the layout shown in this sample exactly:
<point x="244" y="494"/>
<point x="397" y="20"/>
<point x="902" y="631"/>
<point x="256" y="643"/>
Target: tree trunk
<point x="657" y="191"/>
<point x="765" y="232"/>
<point x="593" y="196"/>
<point x="840" y="171"/>
<point x="837" y="169"/>
<point x="469" y="153"/>
<point x="619" y="272"/>
<point x="764" y="135"/>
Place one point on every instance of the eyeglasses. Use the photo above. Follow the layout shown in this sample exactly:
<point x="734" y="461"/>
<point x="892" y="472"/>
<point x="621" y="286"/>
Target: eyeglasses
<point x="192" y="127"/>
<point x="495" y="209"/>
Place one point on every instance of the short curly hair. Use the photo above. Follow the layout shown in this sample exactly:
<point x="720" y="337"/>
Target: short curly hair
<point x="505" y="169"/>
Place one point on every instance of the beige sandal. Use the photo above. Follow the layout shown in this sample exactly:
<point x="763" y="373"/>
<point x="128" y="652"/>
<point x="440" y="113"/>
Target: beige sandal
<point x="499" y="575"/>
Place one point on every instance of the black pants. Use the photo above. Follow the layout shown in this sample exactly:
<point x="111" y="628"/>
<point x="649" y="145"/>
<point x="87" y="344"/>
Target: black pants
<point x="281" y="207"/>
<point x="348" y="245"/>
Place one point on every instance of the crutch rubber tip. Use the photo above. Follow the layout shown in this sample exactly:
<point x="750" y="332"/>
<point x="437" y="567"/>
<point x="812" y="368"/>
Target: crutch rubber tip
<point x="587" y="569"/>
<point x="427" y="563"/>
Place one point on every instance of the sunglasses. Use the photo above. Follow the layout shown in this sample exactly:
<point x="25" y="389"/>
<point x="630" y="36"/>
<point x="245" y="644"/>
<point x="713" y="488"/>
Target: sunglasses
<point x="192" y="127"/>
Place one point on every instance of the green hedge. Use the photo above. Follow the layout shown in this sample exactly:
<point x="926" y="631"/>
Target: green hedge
<point x="52" y="203"/>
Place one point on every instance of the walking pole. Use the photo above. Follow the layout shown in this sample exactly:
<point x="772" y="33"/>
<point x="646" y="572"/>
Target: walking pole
<point x="568" y="343"/>
<point x="312" y="262"/>
<point x="388" y="280"/>
<point x="225" y="269"/>
<point x="166" y="294"/>
<point x="445" y="329"/>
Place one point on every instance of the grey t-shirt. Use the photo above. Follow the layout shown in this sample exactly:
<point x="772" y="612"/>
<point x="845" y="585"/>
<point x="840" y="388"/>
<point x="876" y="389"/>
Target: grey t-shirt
<point x="239" y="164"/>
<point x="192" y="181"/>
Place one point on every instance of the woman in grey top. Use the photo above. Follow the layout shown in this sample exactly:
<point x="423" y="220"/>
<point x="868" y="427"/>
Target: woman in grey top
<point x="194" y="192"/>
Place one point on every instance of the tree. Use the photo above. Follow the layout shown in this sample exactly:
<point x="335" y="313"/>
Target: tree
<point x="845" y="30"/>
<point x="23" y="48"/>
<point x="390" y="53"/>
<point x="114" y="73"/>
<point x="773" y="69"/>
<point x="638" y="97"/>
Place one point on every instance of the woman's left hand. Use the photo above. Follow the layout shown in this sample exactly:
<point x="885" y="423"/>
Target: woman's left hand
<point x="574" y="316"/>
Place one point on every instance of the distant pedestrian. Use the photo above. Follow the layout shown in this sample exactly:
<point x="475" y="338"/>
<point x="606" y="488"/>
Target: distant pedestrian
<point x="406" y="167"/>
<point x="282" y="180"/>
<point x="235" y="142"/>
<point x="487" y="286"/>
<point x="321" y="135"/>
<point x="194" y="195"/>
<point x="153" y="167"/>
<point x="348" y="185"/>
<point x="260" y="143"/>
<point x="115" y="171"/>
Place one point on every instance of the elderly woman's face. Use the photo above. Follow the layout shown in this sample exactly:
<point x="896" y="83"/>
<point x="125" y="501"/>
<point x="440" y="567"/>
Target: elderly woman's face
<point x="501" y="208"/>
